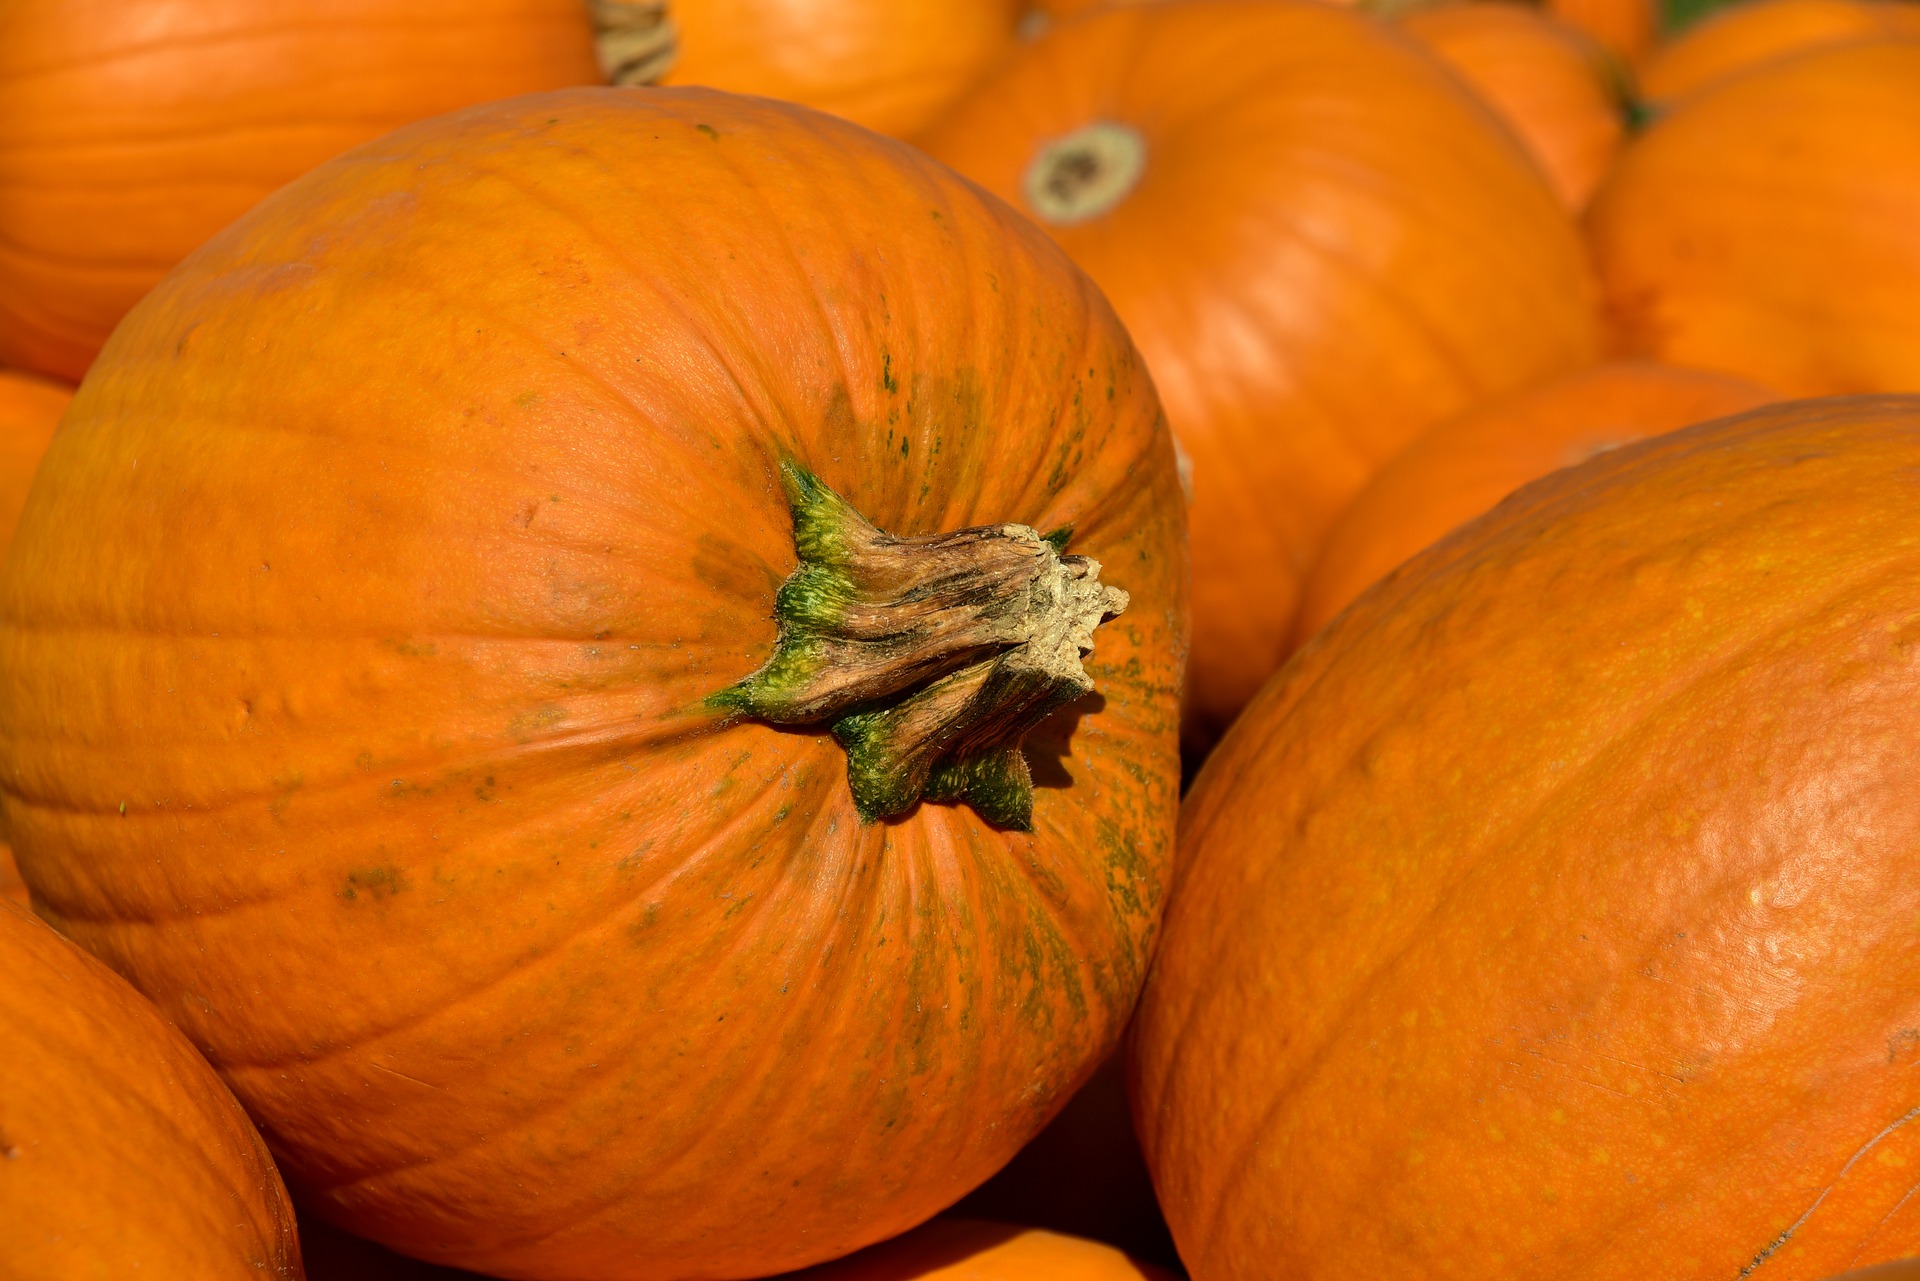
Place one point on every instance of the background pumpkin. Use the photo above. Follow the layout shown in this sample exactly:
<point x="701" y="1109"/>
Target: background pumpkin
<point x="1714" y="253"/>
<point x="891" y="65"/>
<point x="128" y="135"/>
<point x="1744" y="36"/>
<point x="971" y="1250"/>
<point x="1552" y="915"/>
<point x="1625" y="28"/>
<point x="1550" y="82"/>
<point x="1322" y="245"/>
<point x="511" y="940"/>
<point x="123" y="1153"/>
<point x="1462" y="468"/>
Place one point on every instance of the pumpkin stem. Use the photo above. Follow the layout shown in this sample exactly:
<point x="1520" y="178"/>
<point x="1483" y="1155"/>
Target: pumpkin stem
<point x="1082" y="175"/>
<point x="931" y="658"/>
<point x="635" y="39"/>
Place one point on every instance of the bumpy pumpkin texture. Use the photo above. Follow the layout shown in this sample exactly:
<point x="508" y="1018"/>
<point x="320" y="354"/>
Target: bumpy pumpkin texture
<point x="1322" y="243"/>
<point x="1553" y="914"/>
<point x="129" y="134"/>
<point x="121" y="1154"/>
<point x="970" y="1250"/>
<point x="1759" y="228"/>
<point x="396" y="776"/>
<point x="1744" y="36"/>
<point x="1461" y="468"/>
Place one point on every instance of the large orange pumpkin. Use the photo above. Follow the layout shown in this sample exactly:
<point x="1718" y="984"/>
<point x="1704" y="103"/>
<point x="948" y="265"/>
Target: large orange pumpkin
<point x="1552" y="914"/>
<point x="972" y="1250"/>
<point x="1760" y="228"/>
<point x="1626" y="28"/>
<point x="1461" y="468"/>
<point x="891" y="65"/>
<point x="129" y="134"/>
<point x="1322" y="243"/>
<point x="422" y="772"/>
<point x="121" y="1154"/>
<point x="1905" y="1270"/>
<point x="1756" y="33"/>
<point x="1547" y="79"/>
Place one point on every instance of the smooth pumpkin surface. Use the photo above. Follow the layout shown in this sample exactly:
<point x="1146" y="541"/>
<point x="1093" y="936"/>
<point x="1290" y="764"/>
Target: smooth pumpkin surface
<point x="891" y="65"/>
<point x="1766" y="226"/>
<point x="1625" y="28"/>
<point x="1461" y="468"/>
<point x="1552" y="914"/>
<point x="1550" y="82"/>
<point x="1759" y="32"/>
<point x="121" y="1154"/>
<point x="1323" y="246"/>
<point x="469" y="444"/>
<point x="971" y="1250"/>
<point x="128" y="135"/>
<point x="1905" y="1270"/>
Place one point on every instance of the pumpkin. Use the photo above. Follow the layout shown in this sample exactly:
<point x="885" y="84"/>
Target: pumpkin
<point x="1905" y="1270"/>
<point x="1321" y="243"/>
<point x="1552" y="914"/>
<point x="1546" y="79"/>
<point x="974" y="1250"/>
<point x="127" y="137"/>
<point x="29" y="410"/>
<point x="121" y="1154"/>
<point x="1625" y="28"/>
<point x="891" y="65"/>
<point x="1756" y="33"/>
<point x="333" y="1255"/>
<point x="1715" y="252"/>
<point x="647" y="720"/>
<point x="1461" y="468"/>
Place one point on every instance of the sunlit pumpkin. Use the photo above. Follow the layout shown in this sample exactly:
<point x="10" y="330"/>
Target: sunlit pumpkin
<point x="1625" y="28"/>
<point x="1549" y="81"/>
<point x="439" y="772"/>
<point x="1552" y="914"/>
<point x="1754" y="228"/>
<point x="129" y="133"/>
<point x="1744" y="36"/>
<point x="1461" y="468"/>
<point x="1322" y="244"/>
<point x="121" y="1154"/>
<point x="971" y="1250"/>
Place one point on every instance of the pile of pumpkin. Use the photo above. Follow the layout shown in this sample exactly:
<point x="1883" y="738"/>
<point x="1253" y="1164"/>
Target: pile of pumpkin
<point x="596" y="681"/>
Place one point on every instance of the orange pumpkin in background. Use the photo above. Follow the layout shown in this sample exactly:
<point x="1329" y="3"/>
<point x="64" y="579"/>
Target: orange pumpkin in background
<point x="30" y="409"/>
<point x="1549" y="81"/>
<point x="445" y="773"/>
<point x="1625" y="28"/>
<point x="1905" y="1270"/>
<point x="970" y="1250"/>
<point x="1552" y="914"/>
<point x="131" y="133"/>
<point x="121" y="1154"/>
<point x="1753" y="34"/>
<point x="891" y="65"/>
<point x="1323" y="245"/>
<point x="1460" y="469"/>
<point x="1755" y="228"/>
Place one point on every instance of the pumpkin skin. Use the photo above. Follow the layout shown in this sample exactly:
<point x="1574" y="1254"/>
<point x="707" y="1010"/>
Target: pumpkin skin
<point x="512" y="943"/>
<point x="971" y="1250"/>
<point x="1552" y="913"/>
<point x="1546" y="79"/>
<point x="1331" y="247"/>
<point x="119" y="151"/>
<point x="1461" y="468"/>
<point x="124" y="1155"/>
<point x="891" y="65"/>
<point x="1753" y="34"/>
<point x="1714" y="253"/>
<point x="1625" y="28"/>
<point x="1905" y="1270"/>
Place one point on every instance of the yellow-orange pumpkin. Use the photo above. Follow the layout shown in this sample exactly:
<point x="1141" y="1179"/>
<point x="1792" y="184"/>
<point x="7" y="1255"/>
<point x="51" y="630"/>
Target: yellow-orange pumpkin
<point x="1547" y="79"/>
<point x="1756" y="33"/>
<point x="416" y="773"/>
<point x="131" y="133"/>
<point x="1552" y="914"/>
<point x="891" y="65"/>
<point x="121" y="1154"/>
<point x="972" y="1250"/>
<point x="1322" y="243"/>
<point x="1761" y="228"/>
<point x="1461" y="468"/>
